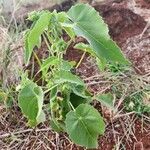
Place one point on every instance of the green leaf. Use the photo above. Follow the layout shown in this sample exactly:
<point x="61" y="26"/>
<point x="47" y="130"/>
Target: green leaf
<point x="54" y="107"/>
<point x="30" y="101"/>
<point x="106" y="100"/>
<point x="3" y="96"/>
<point x="64" y="103"/>
<point x="6" y="99"/>
<point x="47" y="63"/>
<point x="77" y="100"/>
<point x="85" y="47"/>
<point x="65" y="65"/>
<point x="56" y="127"/>
<point x="70" y="32"/>
<point x="53" y="94"/>
<point x="62" y="18"/>
<point x="88" y="24"/>
<point x="101" y="63"/>
<point x="41" y="117"/>
<point x="80" y="91"/>
<point x="63" y="76"/>
<point x="34" y="15"/>
<point x="84" y="124"/>
<point x="55" y="61"/>
<point x="33" y="36"/>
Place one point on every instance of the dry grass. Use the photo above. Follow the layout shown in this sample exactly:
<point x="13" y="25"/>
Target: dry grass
<point x="121" y="125"/>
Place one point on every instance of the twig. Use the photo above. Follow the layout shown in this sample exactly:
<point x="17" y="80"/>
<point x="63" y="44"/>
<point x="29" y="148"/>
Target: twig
<point x="99" y="82"/>
<point x="23" y="131"/>
<point x="146" y="27"/>
<point x="124" y="115"/>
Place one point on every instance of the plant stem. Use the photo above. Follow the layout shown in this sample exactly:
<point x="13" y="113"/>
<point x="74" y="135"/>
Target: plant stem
<point x="45" y="39"/>
<point x="38" y="60"/>
<point x="81" y="59"/>
<point x="72" y="106"/>
<point x="50" y="88"/>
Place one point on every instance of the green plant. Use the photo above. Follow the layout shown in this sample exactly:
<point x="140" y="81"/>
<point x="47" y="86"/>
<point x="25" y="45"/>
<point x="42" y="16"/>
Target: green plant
<point x="135" y="102"/>
<point x="6" y="98"/>
<point x="69" y="97"/>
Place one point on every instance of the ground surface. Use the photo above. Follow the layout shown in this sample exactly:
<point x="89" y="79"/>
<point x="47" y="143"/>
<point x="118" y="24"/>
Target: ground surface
<point x="125" y="130"/>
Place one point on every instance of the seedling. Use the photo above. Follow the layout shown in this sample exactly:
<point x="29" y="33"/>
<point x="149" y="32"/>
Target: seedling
<point x="69" y="97"/>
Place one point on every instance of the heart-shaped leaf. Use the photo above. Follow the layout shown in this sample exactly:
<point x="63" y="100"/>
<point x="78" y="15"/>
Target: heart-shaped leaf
<point x="84" y="124"/>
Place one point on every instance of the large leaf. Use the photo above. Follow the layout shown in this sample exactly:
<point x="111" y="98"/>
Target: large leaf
<point x="33" y="36"/>
<point x="31" y="101"/>
<point x="84" y="124"/>
<point x="88" y="24"/>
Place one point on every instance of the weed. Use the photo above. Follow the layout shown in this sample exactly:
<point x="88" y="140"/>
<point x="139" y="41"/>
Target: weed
<point x="135" y="102"/>
<point x="70" y="99"/>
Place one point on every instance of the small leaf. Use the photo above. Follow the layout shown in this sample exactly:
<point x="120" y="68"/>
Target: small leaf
<point x="85" y="47"/>
<point x="80" y="91"/>
<point x="65" y="65"/>
<point x="30" y="101"/>
<point x="55" y="107"/>
<point x="51" y="61"/>
<point x="63" y="76"/>
<point x="62" y="18"/>
<point x="34" y="15"/>
<point x="84" y="125"/>
<point x="106" y="100"/>
<point x="3" y="96"/>
<point x="6" y="99"/>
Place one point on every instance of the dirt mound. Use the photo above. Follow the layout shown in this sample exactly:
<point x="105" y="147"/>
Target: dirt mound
<point x="123" y="23"/>
<point x="137" y="49"/>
